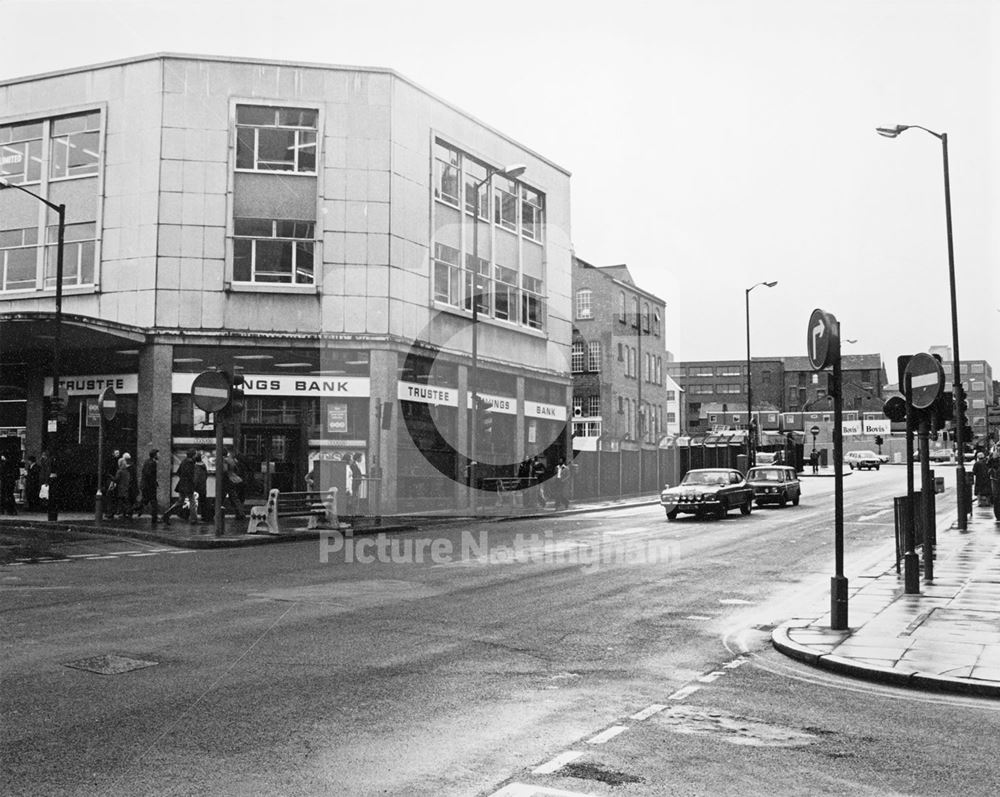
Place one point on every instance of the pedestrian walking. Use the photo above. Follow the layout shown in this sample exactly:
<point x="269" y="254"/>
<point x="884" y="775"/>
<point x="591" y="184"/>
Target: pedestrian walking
<point x="993" y="471"/>
<point x="10" y="472"/>
<point x="201" y="488"/>
<point x="184" y="488"/>
<point x="148" y="487"/>
<point x="538" y="473"/>
<point x="983" y="488"/>
<point x="232" y="483"/>
<point x="814" y="460"/>
<point x="357" y="482"/>
<point x="560" y="485"/>
<point x="33" y="485"/>
<point x="121" y="488"/>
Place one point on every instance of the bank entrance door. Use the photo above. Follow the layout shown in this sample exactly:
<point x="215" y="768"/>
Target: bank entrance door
<point x="273" y="457"/>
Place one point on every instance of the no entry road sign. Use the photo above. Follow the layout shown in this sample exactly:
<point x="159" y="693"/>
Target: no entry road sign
<point x="108" y="403"/>
<point x="210" y="391"/>
<point x="926" y="380"/>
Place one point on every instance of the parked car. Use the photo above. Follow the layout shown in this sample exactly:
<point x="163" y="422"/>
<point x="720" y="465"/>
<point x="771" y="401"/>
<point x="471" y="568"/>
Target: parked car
<point x="715" y="490"/>
<point x="775" y="484"/>
<point x="862" y="460"/>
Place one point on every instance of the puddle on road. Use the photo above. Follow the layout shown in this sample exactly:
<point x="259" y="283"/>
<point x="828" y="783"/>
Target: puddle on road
<point x="732" y="728"/>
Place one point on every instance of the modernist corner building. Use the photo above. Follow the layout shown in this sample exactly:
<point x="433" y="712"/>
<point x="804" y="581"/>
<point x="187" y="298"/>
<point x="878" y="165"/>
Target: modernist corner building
<point x="311" y="227"/>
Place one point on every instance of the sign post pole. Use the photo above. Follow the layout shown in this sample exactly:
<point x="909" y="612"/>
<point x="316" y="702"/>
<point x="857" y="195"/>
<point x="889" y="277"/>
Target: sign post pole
<point x="107" y="404"/>
<point x="823" y="346"/>
<point x="911" y="562"/>
<point x="212" y="391"/>
<point x="220" y="518"/>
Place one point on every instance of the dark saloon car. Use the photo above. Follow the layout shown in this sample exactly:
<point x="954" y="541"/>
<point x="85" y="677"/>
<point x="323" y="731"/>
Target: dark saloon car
<point x="774" y="484"/>
<point x="708" y="490"/>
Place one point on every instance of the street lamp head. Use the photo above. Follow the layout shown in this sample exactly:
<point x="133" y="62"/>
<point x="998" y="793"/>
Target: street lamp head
<point x="771" y="284"/>
<point x="4" y="184"/>
<point x="891" y="132"/>
<point x="513" y="171"/>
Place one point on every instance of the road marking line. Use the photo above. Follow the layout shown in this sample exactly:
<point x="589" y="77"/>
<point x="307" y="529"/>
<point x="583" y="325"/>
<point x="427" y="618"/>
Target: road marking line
<point x="869" y="517"/>
<point x="732" y="665"/>
<point x="735" y="601"/>
<point x="697" y="617"/>
<point x="610" y="733"/>
<point x="648" y="712"/>
<point x="80" y="555"/>
<point x="141" y="554"/>
<point x="556" y="763"/>
<point x="109" y="556"/>
<point x="680" y="694"/>
<point x="180" y="552"/>
<point x="526" y="790"/>
<point x="712" y="676"/>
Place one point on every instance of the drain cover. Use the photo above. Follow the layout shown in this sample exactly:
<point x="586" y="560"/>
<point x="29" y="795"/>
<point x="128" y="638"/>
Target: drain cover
<point x="109" y="664"/>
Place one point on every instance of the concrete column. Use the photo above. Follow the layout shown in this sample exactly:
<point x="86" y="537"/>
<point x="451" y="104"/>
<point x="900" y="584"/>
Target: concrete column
<point x="521" y="426"/>
<point x="462" y="493"/>
<point x="34" y="424"/>
<point x="156" y="362"/>
<point x="383" y="368"/>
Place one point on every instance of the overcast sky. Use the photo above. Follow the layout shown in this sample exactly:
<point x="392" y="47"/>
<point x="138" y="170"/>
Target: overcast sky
<point x="713" y="143"/>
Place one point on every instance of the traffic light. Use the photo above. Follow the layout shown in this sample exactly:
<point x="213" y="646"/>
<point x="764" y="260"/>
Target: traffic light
<point x="484" y="420"/>
<point x="895" y="409"/>
<point x="237" y="395"/>
<point x="961" y="403"/>
<point x="942" y="411"/>
<point x="878" y="440"/>
<point x="56" y="406"/>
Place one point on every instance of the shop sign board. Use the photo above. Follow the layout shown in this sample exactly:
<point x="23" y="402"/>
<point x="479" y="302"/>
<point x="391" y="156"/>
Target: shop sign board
<point x="551" y="412"/>
<point x="850" y="427"/>
<point x="427" y="394"/>
<point x="500" y="404"/>
<point x="93" y="384"/>
<point x="283" y="385"/>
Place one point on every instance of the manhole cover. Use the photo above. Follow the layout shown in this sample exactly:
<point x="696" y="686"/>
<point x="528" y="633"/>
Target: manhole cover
<point x="109" y="664"/>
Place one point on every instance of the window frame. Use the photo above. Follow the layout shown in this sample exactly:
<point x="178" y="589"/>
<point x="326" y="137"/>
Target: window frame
<point x="584" y="307"/>
<point x="294" y="242"/>
<point x="297" y="147"/>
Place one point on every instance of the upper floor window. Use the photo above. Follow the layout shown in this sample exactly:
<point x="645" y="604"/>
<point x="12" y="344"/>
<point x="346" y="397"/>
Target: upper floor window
<point x="622" y="310"/>
<point x="531" y="213"/>
<point x="593" y="406"/>
<point x="505" y="204"/>
<point x="671" y="395"/>
<point x="532" y="304"/>
<point x="79" y="242"/>
<point x="583" y="308"/>
<point x="274" y="139"/>
<point x="577" y="357"/>
<point x="446" y="173"/>
<point x="273" y="250"/>
<point x="635" y="312"/>
<point x="74" y="146"/>
<point x="645" y="317"/>
<point x="21" y="152"/>
<point x="594" y="356"/>
<point x="18" y="259"/>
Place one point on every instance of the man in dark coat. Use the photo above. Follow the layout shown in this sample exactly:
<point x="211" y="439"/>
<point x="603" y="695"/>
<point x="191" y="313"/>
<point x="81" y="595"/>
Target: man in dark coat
<point x="9" y="471"/>
<point x="33" y="485"/>
<point x="185" y="485"/>
<point x="148" y="485"/>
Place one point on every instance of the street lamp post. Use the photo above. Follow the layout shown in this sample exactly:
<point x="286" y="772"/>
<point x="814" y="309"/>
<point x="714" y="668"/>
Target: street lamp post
<point x="751" y="454"/>
<point x="60" y="210"/>
<point x="960" y="481"/>
<point x="511" y="172"/>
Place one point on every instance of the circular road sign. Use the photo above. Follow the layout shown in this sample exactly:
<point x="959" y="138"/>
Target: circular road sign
<point x="107" y="402"/>
<point x="210" y="391"/>
<point x="814" y="431"/>
<point x="822" y="339"/>
<point x="926" y="380"/>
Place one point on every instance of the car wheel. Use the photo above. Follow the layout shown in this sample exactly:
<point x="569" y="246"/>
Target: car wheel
<point x="851" y="465"/>
<point x="747" y="508"/>
<point x="671" y="514"/>
<point x="877" y="467"/>
<point x="795" y="501"/>
<point x="784" y="499"/>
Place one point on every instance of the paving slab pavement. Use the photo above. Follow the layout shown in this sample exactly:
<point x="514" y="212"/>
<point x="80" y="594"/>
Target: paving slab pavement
<point x="946" y="638"/>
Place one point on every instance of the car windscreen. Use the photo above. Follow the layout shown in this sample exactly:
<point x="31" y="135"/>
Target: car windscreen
<point x="765" y="475"/>
<point x="712" y="477"/>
